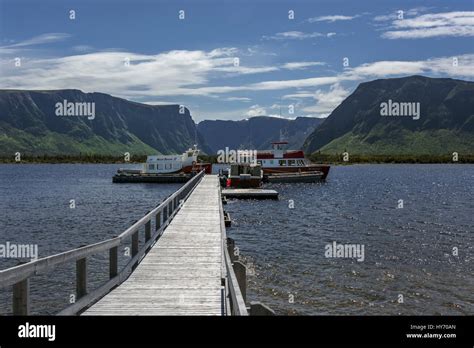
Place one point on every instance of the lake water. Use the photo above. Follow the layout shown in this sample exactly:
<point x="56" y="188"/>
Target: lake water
<point x="417" y="259"/>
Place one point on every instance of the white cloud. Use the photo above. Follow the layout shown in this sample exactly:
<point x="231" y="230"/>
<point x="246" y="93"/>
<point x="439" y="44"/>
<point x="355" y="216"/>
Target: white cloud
<point x="330" y="19"/>
<point x="298" y="95"/>
<point x="256" y="110"/>
<point x="445" y="24"/>
<point x="22" y="46"/>
<point x="300" y="65"/>
<point x="433" y="66"/>
<point x="41" y="40"/>
<point x="293" y="35"/>
<point x="300" y="83"/>
<point x="326" y="101"/>
<point x="243" y="99"/>
<point x="245" y="70"/>
<point x="166" y="74"/>
<point x="182" y="73"/>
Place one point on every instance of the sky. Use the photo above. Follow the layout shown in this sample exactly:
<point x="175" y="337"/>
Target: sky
<point x="232" y="59"/>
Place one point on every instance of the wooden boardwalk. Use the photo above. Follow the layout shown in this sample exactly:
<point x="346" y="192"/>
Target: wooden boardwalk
<point x="182" y="273"/>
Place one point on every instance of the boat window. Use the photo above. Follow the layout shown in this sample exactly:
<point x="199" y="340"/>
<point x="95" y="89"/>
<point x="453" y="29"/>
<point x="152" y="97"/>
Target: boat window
<point x="291" y="162"/>
<point x="159" y="167"/>
<point x="151" y="166"/>
<point x="271" y="161"/>
<point x="168" y="166"/>
<point x="282" y="163"/>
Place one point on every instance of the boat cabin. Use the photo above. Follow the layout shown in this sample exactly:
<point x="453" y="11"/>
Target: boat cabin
<point x="171" y="163"/>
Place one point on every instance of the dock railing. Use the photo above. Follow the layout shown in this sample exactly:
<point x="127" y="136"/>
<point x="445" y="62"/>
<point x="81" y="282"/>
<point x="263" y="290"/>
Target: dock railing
<point x="19" y="276"/>
<point x="234" y="300"/>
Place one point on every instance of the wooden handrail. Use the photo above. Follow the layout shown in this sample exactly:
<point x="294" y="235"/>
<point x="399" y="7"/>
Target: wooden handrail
<point x="236" y="300"/>
<point x="18" y="274"/>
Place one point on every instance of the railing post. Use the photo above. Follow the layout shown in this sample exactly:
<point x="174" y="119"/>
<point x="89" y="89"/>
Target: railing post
<point x="81" y="278"/>
<point x="165" y="213"/>
<point x="158" y="221"/>
<point x="231" y="249"/>
<point x="21" y="297"/>
<point x="113" y="262"/>
<point x="148" y="231"/>
<point x="134" y="243"/>
<point x="241" y="274"/>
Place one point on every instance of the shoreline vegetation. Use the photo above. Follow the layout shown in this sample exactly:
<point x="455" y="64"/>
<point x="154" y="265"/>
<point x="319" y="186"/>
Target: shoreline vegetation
<point x="315" y="157"/>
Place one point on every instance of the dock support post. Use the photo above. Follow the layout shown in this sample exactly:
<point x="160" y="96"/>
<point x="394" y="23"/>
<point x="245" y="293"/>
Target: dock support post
<point x="231" y="249"/>
<point x="241" y="275"/>
<point x="21" y="297"/>
<point x="81" y="278"/>
<point x="134" y="243"/>
<point x="113" y="262"/>
<point x="147" y="231"/>
<point x="158" y="221"/>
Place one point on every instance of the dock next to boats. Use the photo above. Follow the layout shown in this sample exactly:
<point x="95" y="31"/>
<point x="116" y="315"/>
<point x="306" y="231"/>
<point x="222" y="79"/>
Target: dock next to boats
<point x="183" y="264"/>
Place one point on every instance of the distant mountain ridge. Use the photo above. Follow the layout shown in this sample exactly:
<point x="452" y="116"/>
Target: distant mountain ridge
<point x="29" y="124"/>
<point x="256" y="132"/>
<point x="445" y="124"/>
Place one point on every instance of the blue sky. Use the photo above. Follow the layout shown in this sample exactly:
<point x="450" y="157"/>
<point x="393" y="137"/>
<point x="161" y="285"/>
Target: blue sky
<point x="141" y="50"/>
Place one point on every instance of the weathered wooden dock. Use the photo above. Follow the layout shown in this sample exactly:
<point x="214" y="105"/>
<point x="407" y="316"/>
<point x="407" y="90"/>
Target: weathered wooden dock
<point x="183" y="267"/>
<point x="181" y="274"/>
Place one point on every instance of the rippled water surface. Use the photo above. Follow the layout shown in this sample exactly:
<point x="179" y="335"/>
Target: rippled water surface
<point x="408" y="251"/>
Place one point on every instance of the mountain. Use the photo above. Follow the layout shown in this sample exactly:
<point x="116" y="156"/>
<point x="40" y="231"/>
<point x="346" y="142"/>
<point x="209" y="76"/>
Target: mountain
<point x="256" y="132"/>
<point x="445" y="124"/>
<point x="29" y="124"/>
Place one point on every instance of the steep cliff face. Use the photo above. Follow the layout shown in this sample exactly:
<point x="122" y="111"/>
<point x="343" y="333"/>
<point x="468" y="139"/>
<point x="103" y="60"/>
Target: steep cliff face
<point x="29" y="122"/>
<point x="256" y="132"/>
<point x="445" y="124"/>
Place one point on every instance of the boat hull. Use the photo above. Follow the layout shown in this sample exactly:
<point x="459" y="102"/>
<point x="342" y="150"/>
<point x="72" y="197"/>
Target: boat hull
<point x="307" y="177"/>
<point x="310" y="168"/>
<point x="246" y="183"/>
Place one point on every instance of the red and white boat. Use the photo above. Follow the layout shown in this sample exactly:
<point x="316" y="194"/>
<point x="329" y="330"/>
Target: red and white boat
<point x="279" y="160"/>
